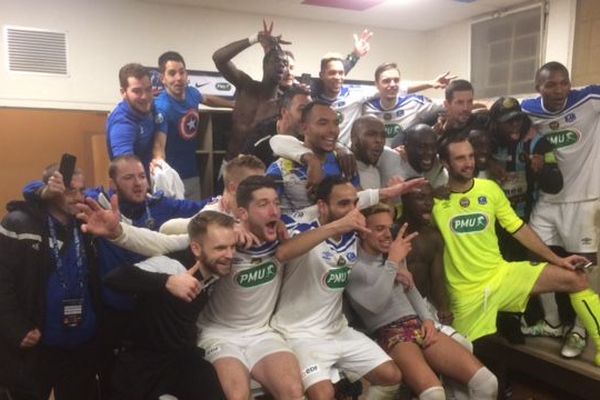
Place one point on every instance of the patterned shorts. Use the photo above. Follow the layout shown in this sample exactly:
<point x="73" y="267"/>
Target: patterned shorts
<point x="407" y="329"/>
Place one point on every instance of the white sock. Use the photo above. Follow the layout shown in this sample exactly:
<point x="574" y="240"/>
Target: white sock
<point x="483" y="385"/>
<point x="433" y="393"/>
<point x="378" y="392"/>
<point x="550" y="309"/>
<point x="455" y="390"/>
<point x="578" y="328"/>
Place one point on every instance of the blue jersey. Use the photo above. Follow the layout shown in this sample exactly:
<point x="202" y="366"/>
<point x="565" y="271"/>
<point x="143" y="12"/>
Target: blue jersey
<point x="129" y="132"/>
<point x="292" y="179"/>
<point x="179" y="121"/>
<point x="575" y="133"/>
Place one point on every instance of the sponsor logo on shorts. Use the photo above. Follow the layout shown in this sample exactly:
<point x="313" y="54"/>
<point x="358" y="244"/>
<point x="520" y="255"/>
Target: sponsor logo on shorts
<point x="212" y="350"/>
<point x="586" y="241"/>
<point x="256" y="276"/>
<point x="469" y="223"/>
<point x="392" y="130"/>
<point x="336" y="278"/>
<point x="563" y="138"/>
<point x="310" y="370"/>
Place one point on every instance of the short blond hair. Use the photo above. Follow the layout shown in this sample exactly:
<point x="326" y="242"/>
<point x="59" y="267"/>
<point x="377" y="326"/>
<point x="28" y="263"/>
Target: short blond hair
<point x="233" y="169"/>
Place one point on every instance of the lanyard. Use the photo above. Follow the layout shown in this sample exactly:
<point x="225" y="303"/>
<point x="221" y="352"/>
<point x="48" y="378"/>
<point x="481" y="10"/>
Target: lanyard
<point x="59" y="261"/>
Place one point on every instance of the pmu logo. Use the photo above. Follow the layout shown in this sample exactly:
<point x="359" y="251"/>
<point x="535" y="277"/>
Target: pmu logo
<point x="256" y="276"/>
<point x="392" y="130"/>
<point x="337" y="278"/>
<point x="223" y="86"/>
<point x="469" y="223"/>
<point x="563" y="138"/>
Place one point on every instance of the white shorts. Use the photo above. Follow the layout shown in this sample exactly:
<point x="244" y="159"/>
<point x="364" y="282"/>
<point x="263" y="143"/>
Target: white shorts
<point x="322" y="358"/>
<point x="249" y="349"/>
<point x="568" y="225"/>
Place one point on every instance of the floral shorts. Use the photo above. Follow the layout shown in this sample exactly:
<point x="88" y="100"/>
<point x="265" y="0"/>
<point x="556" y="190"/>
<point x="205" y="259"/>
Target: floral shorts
<point x="407" y="329"/>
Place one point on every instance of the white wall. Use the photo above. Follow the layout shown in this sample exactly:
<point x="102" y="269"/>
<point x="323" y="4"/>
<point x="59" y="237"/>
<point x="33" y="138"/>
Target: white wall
<point x="105" y="34"/>
<point x="449" y="47"/>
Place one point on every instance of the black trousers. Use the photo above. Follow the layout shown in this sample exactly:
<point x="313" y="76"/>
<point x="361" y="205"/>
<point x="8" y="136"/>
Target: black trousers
<point x="142" y="374"/>
<point x="71" y="373"/>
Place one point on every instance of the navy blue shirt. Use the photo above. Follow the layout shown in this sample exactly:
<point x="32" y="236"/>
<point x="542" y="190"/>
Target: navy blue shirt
<point x="130" y="132"/>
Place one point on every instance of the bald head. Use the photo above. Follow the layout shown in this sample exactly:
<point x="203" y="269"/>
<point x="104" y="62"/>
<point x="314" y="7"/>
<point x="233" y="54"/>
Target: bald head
<point x="368" y="139"/>
<point x="421" y="147"/>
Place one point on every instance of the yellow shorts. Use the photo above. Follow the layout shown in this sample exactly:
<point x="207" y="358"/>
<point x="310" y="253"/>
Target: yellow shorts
<point x="508" y="290"/>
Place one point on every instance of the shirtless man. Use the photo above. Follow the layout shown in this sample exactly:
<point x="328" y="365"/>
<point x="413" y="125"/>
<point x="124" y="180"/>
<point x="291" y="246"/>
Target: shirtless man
<point x="426" y="261"/>
<point x="255" y="101"/>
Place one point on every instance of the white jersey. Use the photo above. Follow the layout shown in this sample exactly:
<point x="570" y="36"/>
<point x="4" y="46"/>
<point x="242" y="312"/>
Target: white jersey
<point x="404" y="113"/>
<point x="391" y="164"/>
<point x="348" y="107"/>
<point x="575" y="133"/>
<point x="310" y="304"/>
<point x="244" y="300"/>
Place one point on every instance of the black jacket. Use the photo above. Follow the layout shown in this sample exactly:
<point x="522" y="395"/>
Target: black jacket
<point x="25" y="266"/>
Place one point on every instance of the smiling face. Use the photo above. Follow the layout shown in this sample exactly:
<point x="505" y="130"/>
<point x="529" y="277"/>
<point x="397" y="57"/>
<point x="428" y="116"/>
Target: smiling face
<point x="388" y="84"/>
<point x="421" y="148"/>
<point x="138" y="94"/>
<point x="175" y="79"/>
<point x="342" y="200"/>
<point x="461" y="161"/>
<point x="554" y="87"/>
<point x="332" y="76"/>
<point x="321" y="129"/>
<point x="263" y="214"/>
<point x="215" y="249"/>
<point x="380" y="238"/>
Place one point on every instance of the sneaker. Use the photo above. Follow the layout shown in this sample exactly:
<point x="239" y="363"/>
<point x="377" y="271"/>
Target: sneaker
<point x="542" y="328"/>
<point x="574" y="345"/>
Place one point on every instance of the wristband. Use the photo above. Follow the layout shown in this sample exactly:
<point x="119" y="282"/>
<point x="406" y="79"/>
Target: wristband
<point x="253" y="39"/>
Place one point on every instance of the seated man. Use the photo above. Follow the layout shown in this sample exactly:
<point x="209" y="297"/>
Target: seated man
<point x="309" y="313"/>
<point x="475" y="269"/>
<point x="399" y="319"/>
<point x="320" y="128"/>
<point x="162" y="357"/>
<point x="235" y="329"/>
<point x="425" y="261"/>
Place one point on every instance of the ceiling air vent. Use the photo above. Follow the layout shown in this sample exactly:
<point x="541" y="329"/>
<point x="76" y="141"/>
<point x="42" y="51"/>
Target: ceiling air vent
<point x="36" y="50"/>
